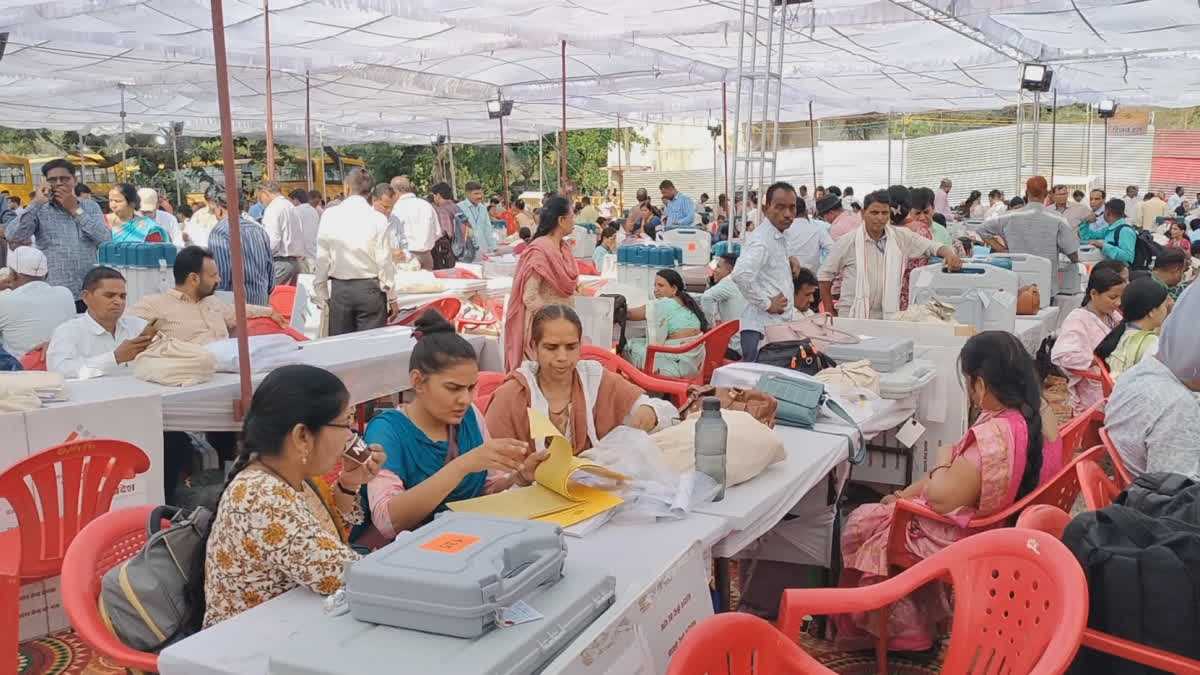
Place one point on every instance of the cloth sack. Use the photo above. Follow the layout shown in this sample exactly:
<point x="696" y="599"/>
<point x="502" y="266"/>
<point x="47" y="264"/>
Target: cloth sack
<point x="756" y="446"/>
<point x="849" y="376"/>
<point x="24" y="390"/>
<point x="267" y="352"/>
<point x="175" y="363"/>
<point x="761" y="406"/>
<point x="933" y="311"/>
<point x="818" y="329"/>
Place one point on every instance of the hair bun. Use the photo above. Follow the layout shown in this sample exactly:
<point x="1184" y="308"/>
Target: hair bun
<point x="431" y="323"/>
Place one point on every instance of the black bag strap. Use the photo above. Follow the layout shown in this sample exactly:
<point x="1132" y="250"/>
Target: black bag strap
<point x="1132" y="524"/>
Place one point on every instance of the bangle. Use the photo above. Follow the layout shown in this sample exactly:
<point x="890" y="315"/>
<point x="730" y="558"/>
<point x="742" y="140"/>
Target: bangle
<point x="346" y="491"/>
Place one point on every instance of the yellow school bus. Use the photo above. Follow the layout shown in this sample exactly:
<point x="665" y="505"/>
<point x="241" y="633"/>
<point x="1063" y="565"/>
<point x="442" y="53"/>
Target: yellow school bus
<point x="16" y="176"/>
<point x="328" y="174"/>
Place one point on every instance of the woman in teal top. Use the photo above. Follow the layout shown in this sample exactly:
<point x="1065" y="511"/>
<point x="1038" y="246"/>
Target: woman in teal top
<point x="126" y="223"/>
<point x="605" y="247"/>
<point x="672" y="318"/>
<point x="425" y="469"/>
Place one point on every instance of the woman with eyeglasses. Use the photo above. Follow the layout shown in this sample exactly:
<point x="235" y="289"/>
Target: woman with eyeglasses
<point x="437" y="445"/>
<point x="273" y="530"/>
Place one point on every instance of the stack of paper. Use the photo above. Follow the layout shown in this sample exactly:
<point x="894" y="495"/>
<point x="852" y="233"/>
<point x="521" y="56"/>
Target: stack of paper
<point x="554" y="497"/>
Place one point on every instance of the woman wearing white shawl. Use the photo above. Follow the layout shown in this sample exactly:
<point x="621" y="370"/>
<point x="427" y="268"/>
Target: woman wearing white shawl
<point x="881" y="250"/>
<point x="1153" y="416"/>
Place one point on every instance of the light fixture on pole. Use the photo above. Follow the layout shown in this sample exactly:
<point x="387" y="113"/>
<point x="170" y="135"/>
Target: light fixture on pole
<point x="714" y="130"/>
<point x="1036" y="77"/>
<point x="1106" y="110"/>
<point x="173" y="132"/>
<point x="498" y="109"/>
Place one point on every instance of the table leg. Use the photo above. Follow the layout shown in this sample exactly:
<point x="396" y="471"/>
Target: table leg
<point x="723" y="588"/>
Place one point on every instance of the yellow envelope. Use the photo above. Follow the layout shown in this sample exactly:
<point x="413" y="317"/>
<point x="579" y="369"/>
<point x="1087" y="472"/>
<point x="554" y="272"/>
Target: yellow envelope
<point x="555" y="471"/>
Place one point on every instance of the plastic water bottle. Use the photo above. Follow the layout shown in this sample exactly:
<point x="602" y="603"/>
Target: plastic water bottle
<point x="712" y="435"/>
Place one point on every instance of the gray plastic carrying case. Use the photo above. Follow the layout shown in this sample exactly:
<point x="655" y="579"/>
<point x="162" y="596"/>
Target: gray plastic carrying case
<point x="885" y="353"/>
<point x="345" y="646"/>
<point x="452" y="575"/>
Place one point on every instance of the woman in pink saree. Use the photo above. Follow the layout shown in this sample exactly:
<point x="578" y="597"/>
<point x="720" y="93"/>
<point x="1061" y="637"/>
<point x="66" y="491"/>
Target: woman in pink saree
<point x="997" y="462"/>
<point x="919" y="220"/>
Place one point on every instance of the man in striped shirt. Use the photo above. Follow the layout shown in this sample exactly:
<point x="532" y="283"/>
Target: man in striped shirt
<point x="257" y="264"/>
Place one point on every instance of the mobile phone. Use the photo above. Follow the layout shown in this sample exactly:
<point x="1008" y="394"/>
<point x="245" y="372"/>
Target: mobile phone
<point x="151" y="328"/>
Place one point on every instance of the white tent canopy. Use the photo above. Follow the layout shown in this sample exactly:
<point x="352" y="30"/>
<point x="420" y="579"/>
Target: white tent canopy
<point x="398" y="70"/>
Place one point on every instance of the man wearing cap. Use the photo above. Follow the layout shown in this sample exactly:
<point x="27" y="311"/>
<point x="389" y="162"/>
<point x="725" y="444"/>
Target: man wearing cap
<point x="148" y="206"/>
<point x="841" y="222"/>
<point x="31" y="309"/>
<point x="808" y="240"/>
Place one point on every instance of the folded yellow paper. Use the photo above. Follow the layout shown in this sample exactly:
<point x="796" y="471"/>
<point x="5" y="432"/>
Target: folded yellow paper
<point x="554" y="496"/>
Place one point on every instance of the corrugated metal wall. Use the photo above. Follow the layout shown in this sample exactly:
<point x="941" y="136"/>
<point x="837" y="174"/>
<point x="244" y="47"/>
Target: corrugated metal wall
<point x="1176" y="161"/>
<point x="983" y="159"/>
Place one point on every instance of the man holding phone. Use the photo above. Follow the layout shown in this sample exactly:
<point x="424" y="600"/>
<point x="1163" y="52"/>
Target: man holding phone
<point x="105" y="337"/>
<point x="67" y="230"/>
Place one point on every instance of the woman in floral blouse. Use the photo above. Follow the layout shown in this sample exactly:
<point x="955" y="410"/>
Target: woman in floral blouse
<point x="270" y="533"/>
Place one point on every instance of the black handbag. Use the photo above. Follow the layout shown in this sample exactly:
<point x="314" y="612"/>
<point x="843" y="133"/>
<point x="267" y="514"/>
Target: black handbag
<point x="798" y="355"/>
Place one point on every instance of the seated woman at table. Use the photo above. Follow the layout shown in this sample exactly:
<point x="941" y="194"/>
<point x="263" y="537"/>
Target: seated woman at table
<point x="126" y="223"/>
<point x="1085" y="327"/>
<point x="672" y="318"/>
<point x="999" y="461"/>
<point x="546" y="275"/>
<point x="1145" y="304"/>
<point x="437" y="446"/>
<point x="272" y="531"/>
<point x="583" y="399"/>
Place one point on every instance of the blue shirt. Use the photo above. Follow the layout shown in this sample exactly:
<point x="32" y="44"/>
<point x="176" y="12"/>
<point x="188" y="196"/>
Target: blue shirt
<point x="680" y="212"/>
<point x="1117" y="246"/>
<point x="69" y="242"/>
<point x="481" y="225"/>
<point x="257" y="265"/>
<point x="257" y="210"/>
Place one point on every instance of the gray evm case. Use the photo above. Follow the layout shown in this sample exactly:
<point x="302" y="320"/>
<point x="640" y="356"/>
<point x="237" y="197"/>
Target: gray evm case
<point x="885" y="353"/>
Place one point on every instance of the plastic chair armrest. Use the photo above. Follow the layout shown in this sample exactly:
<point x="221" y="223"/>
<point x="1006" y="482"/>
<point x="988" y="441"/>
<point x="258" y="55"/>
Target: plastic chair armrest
<point x="1086" y="375"/>
<point x="906" y="510"/>
<point x="797" y="603"/>
<point x="1147" y="656"/>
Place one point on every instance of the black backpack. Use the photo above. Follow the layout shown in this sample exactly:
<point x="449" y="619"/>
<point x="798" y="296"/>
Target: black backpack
<point x="1143" y="571"/>
<point x="798" y="355"/>
<point x="1145" y="249"/>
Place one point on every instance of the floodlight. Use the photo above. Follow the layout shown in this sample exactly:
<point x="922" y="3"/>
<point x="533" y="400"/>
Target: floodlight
<point x="160" y="139"/>
<point x="434" y="139"/>
<point x="498" y="108"/>
<point x="1106" y="109"/>
<point x="714" y="127"/>
<point x="1036" y="77"/>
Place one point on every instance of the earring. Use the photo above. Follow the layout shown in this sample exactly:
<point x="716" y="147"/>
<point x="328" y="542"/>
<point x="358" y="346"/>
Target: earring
<point x="304" y="456"/>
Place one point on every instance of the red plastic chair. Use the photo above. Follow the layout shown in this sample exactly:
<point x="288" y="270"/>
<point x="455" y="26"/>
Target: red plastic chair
<point x="90" y="470"/>
<point x="35" y="359"/>
<point x="715" y="342"/>
<point x="1098" y="373"/>
<point x="740" y="644"/>
<point x="677" y="390"/>
<point x="1098" y="489"/>
<point x="1124" y="478"/>
<point x="1054" y="524"/>
<point x="455" y="273"/>
<point x="106" y="542"/>
<point x="447" y="307"/>
<point x="282" y="299"/>
<point x="1020" y="606"/>
<point x="494" y="311"/>
<point x="1044" y="518"/>
<point x="264" y="325"/>
<point x="485" y="388"/>
<point x="1082" y="431"/>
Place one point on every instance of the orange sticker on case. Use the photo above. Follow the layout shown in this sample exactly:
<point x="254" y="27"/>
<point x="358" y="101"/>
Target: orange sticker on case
<point x="450" y="542"/>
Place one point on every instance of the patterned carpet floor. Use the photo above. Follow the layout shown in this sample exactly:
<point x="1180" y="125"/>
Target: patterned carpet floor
<point x="61" y="654"/>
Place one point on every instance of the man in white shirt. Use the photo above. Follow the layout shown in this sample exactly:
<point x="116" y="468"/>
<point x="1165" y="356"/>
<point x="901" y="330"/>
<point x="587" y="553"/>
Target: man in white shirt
<point x="104" y="337"/>
<point x="1150" y="210"/>
<point x="418" y="220"/>
<point x="763" y="273"/>
<point x="1073" y="212"/>
<point x="1131" y="205"/>
<point x="284" y="231"/>
<point x="1175" y="200"/>
<point x="310" y="223"/>
<point x="809" y="241"/>
<point x="996" y="204"/>
<point x="723" y="301"/>
<point x="148" y="206"/>
<point x="383" y="200"/>
<point x="199" y="226"/>
<point x="32" y="309"/>
<point x="354" y="270"/>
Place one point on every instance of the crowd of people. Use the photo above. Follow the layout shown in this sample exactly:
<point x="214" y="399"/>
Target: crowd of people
<point x="280" y="524"/>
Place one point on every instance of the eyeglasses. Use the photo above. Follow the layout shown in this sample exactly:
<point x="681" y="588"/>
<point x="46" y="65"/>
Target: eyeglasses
<point x="356" y="449"/>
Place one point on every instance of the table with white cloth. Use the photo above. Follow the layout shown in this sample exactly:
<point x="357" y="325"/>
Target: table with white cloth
<point x="371" y="363"/>
<point x="1032" y="329"/>
<point x="638" y="554"/>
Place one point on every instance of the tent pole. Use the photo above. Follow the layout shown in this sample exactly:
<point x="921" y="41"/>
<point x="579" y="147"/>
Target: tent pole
<point x="541" y="172"/>
<point x="450" y="152"/>
<point x="1105" y="155"/>
<point x="232" y="193"/>
<point x="562" y="141"/>
<point x="503" y="163"/>
<point x="620" y="170"/>
<point x="124" y="142"/>
<point x="889" y="141"/>
<point x="1053" y="131"/>
<point x="270" y="171"/>
<point x="308" y="130"/>
<point x="812" y="140"/>
<point x="725" y="158"/>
